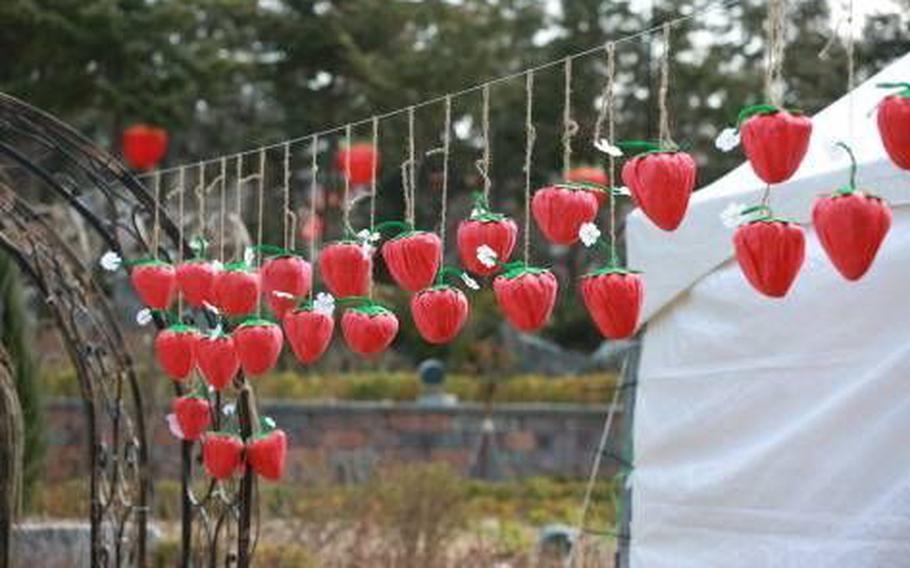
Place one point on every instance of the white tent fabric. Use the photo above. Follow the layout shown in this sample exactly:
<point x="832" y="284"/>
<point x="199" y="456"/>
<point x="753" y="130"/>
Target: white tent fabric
<point x="770" y="433"/>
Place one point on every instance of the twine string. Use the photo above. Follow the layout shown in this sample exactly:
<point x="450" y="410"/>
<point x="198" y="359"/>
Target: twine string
<point x="610" y="108"/>
<point x="530" y="137"/>
<point x="851" y="67"/>
<point x="288" y="225"/>
<point x="260" y="217"/>
<point x="200" y="198"/>
<point x="446" y="145"/>
<point x="664" y="115"/>
<point x="569" y="126"/>
<point x="486" y="161"/>
<point x="775" y="50"/>
<point x="222" y="214"/>
<point x="156" y="223"/>
<point x="412" y="167"/>
<point x="346" y="207"/>
<point x="314" y="229"/>
<point x="181" y="181"/>
<point x="374" y="173"/>
<point x="239" y="198"/>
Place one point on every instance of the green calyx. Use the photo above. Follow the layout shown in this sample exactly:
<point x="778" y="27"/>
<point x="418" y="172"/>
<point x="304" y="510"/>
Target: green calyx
<point x="407" y="234"/>
<point x="644" y="147"/>
<point x="373" y="310"/>
<point x="396" y="228"/>
<point x="364" y="305"/>
<point x="481" y="211"/>
<point x="256" y="321"/>
<point x="761" y="109"/>
<point x="267" y="425"/>
<point x="237" y="267"/>
<point x="516" y="269"/>
<point x="611" y="269"/>
<point x="182" y="328"/>
<point x="588" y="186"/>
<point x="903" y="92"/>
<point x="450" y="272"/>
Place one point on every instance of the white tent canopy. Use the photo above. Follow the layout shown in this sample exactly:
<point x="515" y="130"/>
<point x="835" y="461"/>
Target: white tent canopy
<point x="771" y="432"/>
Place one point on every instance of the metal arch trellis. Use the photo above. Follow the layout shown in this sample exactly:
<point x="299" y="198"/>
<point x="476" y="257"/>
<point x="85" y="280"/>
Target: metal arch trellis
<point x="43" y="161"/>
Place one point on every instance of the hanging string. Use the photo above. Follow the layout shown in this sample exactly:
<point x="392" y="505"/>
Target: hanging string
<point x="530" y="137"/>
<point x="223" y="209"/>
<point x="407" y="172"/>
<point x="486" y="161"/>
<point x="346" y="209"/>
<point x="664" y="127"/>
<point x="446" y="143"/>
<point x="288" y="214"/>
<point x="314" y="229"/>
<point x="775" y="50"/>
<point x="851" y="68"/>
<point x="373" y="173"/>
<point x="200" y="198"/>
<point x="239" y="204"/>
<point x="610" y="104"/>
<point x="569" y="126"/>
<point x="156" y="223"/>
<point x="647" y="32"/>
<point x="181" y="181"/>
<point x="261" y="206"/>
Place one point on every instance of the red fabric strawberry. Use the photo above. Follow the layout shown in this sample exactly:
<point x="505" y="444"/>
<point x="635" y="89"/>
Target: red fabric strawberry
<point x="526" y="296"/>
<point x="362" y="158"/>
<point x="284" y="276"/>
<point x="222" y="454"/>
<point x="193" y="415"/>
<point x="175" y="350"/>
<point x="770" y="253"/>
<point x="346" y="268"/>
<point x="851" y="226"/>
<point x="216" y="357"/>
<point x="267" y="454"/>
<point x="413" y="259"/>
<point x="596" y="180"/>
<point x="486" y="229"/>
<point x="236" y="290"/>
<point x="894" y="124"/>
<point x="259" y="344"/>
<point x="196" y="280"/>
<point x="561" y="210"/>
<point x="775" y="141"/>
<point x="144" y="146"/>
<point x="439" y="313"/>
<point x="613" y="297"/>
<point x="369" y="329"/>
<point x="661" y="183"/>
<point x="155" y="282"/>
<point x="309" y="332"/>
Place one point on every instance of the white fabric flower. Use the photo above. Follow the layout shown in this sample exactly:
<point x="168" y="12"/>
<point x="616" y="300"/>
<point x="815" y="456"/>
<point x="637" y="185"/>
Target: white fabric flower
<point x="487" y="256"/>
<point x="229" y="409"/>
<point x="144" y="316"/>
<point x="588" y="233"/>
<point x="732" y="215"/>
<point x="174" y="426"/>
<point x="727" y="139"/>
<point x="249" y="255"/>
<point x="324" y="304"/>
<point x="217" y="265"/>
<point x="110" y="261"/>
<point x="366" y="249"/>
<point x="476" y="213"/>
<point x="469" y="282"/>
<point x="210" y="307"/>
<point x="216" y="331"/>
<point x="283" y="295"/>
<point x="268" y="422"/>
<point x="367" y="236"/>
<point x="608" y="148"/>
<point x="622" y="190"/>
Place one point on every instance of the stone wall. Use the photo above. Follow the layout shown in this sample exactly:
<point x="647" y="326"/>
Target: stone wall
<point x="344" y="441"/>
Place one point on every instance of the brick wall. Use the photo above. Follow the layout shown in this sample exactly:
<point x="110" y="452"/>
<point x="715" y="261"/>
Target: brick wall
<point x="345" y="440"/>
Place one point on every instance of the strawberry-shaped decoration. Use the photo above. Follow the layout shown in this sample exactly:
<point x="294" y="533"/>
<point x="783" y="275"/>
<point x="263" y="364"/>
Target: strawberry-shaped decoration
<point x="440" y="312"/>
<point x="284" y="279"/>
<point x="347" y="268"/>
<point x="362" y="158"/>
<point x="613" y="297"/>
<point x="369" y="329"/>
<point x="560" y="210"/>
<point x="237" y="289"/>
<point x="770" y="252"/>
<point x="222" y="454"/>
<point x="485" y="229"/>
<point x="851" y="226"/>
<point x="196" y="280"/>
<point x="143" y="146"/>
<point x="175" y="350"/>
<point x="258" y="344"/>
<point x="774" y="140"/>
<point x="413" y="258"/>
<point x="155" y="282"/>
<point x="193" y="415"/>
<point x="267" y="454"/>
<point x="894" y="124"/>
<point x="661" y="181"/>
<point x="216" y="357"/>
<point x="526" y="295"/>
<point x="309" y="328"/>
<point x="592" y="177"/>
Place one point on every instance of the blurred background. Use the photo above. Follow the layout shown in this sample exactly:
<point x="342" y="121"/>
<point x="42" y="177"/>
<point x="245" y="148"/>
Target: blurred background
<point x="222" y="76"/>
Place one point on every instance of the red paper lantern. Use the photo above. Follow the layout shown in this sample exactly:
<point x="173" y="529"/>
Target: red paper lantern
<point x="267" y="454"/>
<point x="439" y="313"/>
<point x="144" y="146"/>
<point x="362" y="158"/>
<point x="851" y="227"/>
<point x="369" y="330"/>
<point x="175" y="350"/>
<point x="770" y="253"/>
<point x="413" y="259"/>
<point x="222" y="454"/>
<point x="661" y="183"/>
<point x="560" y="211"/>
<point x="613" y="297"/>
<point x="775" y="142"/>
<point x="526" y="296"/>
<point x="309" y="332"/>
<point x="894" y="125"/>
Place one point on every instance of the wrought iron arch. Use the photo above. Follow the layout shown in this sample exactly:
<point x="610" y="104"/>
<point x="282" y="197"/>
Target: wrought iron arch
<point x="45" y="163"/>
